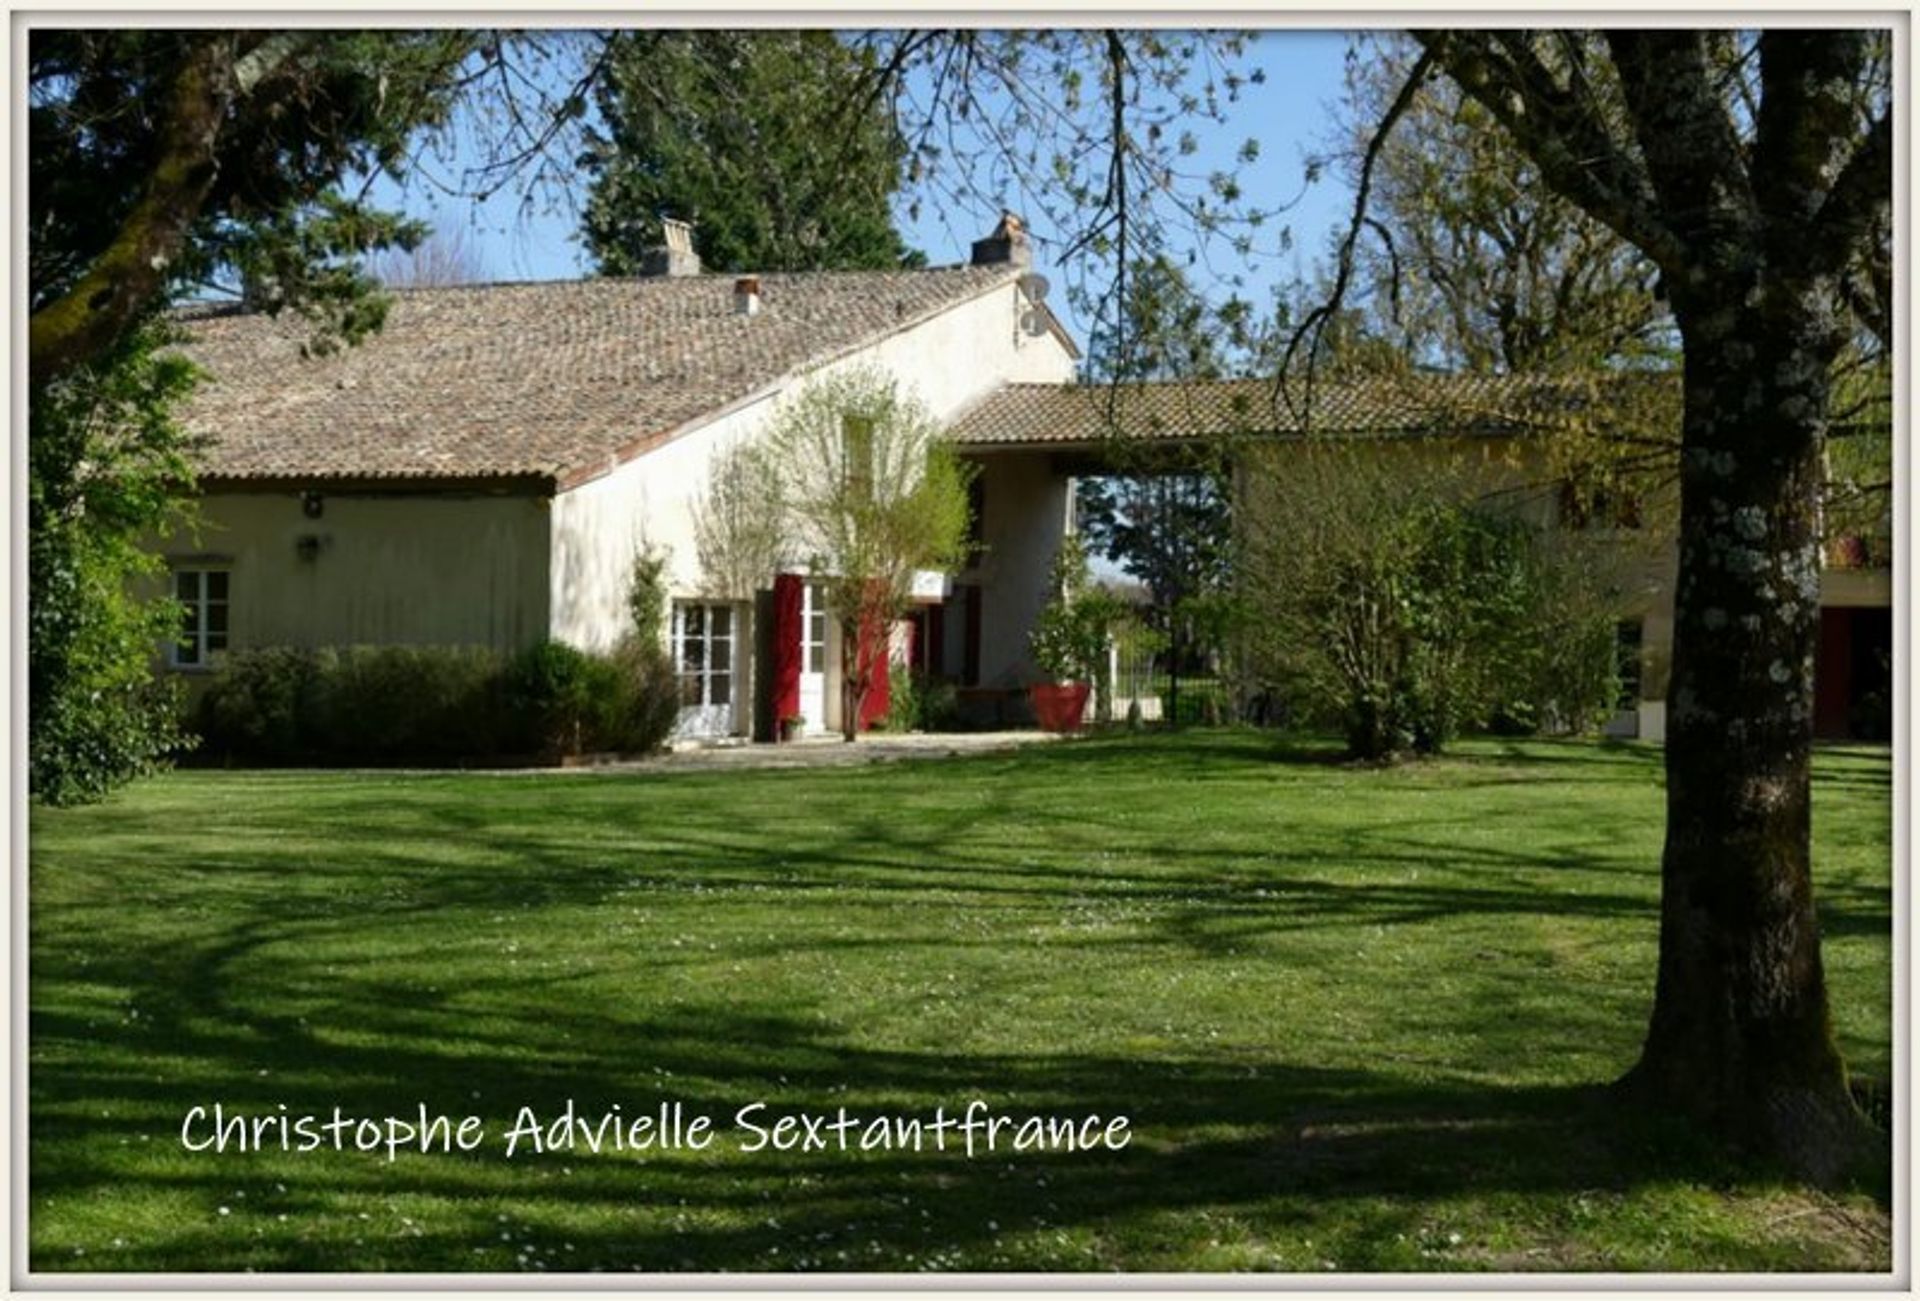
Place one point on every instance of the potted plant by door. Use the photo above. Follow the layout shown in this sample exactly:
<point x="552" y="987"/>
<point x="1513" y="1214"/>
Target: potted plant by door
<point x="1069" y="640"/>
<point x="1059" y="705"/>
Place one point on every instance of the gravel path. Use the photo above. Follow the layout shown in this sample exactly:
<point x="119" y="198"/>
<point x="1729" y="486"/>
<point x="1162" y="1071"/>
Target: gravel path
<point x="825" y="752"/>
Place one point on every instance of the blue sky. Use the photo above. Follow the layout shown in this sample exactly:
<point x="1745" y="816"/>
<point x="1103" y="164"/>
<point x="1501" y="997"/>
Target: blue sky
<point x="1288" y="114"/>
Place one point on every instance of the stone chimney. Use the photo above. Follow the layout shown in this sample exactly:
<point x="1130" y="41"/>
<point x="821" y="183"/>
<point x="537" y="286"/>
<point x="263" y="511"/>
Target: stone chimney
<point x="746" y="296"/>
<point x="674" y="258"/>
<point x="1007" y="245"/>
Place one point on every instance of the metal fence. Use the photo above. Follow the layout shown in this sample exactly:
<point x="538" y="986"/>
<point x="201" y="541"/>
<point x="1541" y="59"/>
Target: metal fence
<point x="1134" y="673"/>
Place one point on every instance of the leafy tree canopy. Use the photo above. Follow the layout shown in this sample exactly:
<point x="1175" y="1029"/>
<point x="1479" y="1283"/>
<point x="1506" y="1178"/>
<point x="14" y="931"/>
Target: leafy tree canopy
<point x="754" y="136"/>
<point x="173" y="162"/>
<point x="106" y="462"/>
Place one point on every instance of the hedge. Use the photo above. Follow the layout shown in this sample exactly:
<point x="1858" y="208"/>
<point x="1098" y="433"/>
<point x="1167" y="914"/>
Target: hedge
<point x="435" y="704"/>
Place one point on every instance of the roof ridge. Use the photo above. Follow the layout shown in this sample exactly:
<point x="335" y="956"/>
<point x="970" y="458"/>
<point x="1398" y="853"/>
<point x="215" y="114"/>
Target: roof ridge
<point x="703" y="277"/>
<point x="555" y="377"/>
<point x="207" y="309"/>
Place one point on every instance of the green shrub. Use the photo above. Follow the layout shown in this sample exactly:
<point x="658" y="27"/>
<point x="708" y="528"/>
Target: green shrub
<point x="1071" y="633"/>
<point x="1202" y="702"/>
<point x="388" y="703"/>
<point x="356" y="704"/>
<point x="647" y="596"/>
<point x="937" y="700"/>
<point x="86" y="743"/>
<point x="553" y="691"/>
<point x="919" y="701"/>
<point x="437" y="704"/>
<point x="639" y="713"/>
<point x="261" y="706"/>
<point x="903" y="702"/>
<point x="1408" y="608"/>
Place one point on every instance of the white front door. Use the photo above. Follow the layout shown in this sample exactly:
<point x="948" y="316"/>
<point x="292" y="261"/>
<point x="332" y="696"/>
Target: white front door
<point x="703" y="650"/>
<point x="813" y="658"/>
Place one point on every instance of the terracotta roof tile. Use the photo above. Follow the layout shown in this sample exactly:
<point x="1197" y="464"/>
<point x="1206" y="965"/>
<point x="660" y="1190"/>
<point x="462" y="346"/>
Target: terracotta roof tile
<point x="550" y="380"/>
<point x="1410" y="405"/>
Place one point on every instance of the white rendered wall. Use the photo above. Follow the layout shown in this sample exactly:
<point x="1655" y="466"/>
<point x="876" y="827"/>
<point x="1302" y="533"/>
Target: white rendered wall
<point x="1027" y="511"/>
<point x="948" y="363"/>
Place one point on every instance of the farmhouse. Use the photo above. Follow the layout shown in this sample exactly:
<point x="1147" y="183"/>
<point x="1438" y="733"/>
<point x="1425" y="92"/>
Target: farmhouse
<point x="485" y="469"/>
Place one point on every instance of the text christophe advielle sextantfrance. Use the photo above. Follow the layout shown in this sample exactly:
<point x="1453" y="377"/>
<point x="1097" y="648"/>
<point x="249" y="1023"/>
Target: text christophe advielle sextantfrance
<point x="668" y="1127"/>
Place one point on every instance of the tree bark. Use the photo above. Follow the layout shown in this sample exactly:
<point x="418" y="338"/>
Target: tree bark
<point x="1753" y="242"/>
<point x="1740" y="1037"/>
<point x="853" y="686"/>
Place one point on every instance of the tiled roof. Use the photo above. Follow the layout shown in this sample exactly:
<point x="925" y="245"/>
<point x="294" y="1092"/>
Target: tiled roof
<point x="555" y="380"/>
<point x="1408" y="405"/>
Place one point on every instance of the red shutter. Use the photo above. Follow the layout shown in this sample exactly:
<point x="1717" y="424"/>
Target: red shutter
<point x="786" y="647"/>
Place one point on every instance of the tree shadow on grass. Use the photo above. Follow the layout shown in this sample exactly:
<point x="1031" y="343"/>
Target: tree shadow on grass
<point x="295" y="963"/>
<point x="1358" y="1160"/>
<point x="1283" y="1145"/>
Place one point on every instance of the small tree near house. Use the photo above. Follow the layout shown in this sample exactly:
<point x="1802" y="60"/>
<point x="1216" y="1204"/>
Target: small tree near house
<point x="647" y="598"/>
<point x="736" y="524"/>
<point x="1403" y="604"/>
<point x="867" y="491"/>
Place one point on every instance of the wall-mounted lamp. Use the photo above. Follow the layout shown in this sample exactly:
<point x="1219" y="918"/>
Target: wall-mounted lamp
<point x="312" y="505"/>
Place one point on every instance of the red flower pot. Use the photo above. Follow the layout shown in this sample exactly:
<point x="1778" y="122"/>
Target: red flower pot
<point x="1059" y="706"/>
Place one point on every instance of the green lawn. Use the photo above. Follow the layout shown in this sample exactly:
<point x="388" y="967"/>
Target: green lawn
<point x="1356" y="1017"/>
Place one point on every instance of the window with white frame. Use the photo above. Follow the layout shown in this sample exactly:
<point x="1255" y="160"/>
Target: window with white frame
<point x="202" y="594"/>
<point x="703" y="652"/>
<point x="814" y="635"/>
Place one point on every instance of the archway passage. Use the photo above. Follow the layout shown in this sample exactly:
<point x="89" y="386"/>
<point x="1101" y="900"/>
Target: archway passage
<point x="1033" y="440"/>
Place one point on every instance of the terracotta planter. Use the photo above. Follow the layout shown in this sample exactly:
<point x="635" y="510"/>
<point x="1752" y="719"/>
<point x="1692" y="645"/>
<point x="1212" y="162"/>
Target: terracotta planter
<point x="1059" y="706"/>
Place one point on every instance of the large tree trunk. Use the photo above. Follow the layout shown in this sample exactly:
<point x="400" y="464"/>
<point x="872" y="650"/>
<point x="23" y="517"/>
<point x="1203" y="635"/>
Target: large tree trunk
<point x="1740" y="1036"/>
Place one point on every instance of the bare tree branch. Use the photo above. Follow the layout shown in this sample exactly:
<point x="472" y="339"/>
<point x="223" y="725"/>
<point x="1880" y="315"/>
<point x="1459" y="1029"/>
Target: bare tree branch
<point x="1580" y="157"/>
<point x="1858" y="206"/>
<point x="1868" y="288"/>
<point x="1693" y="153"/>
<point x="1316" y="321"/>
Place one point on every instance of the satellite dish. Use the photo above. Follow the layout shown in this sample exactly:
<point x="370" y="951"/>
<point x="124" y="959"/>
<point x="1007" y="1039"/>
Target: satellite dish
<point x="1033" y="322"/>
<point x="1036" y="286"/>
